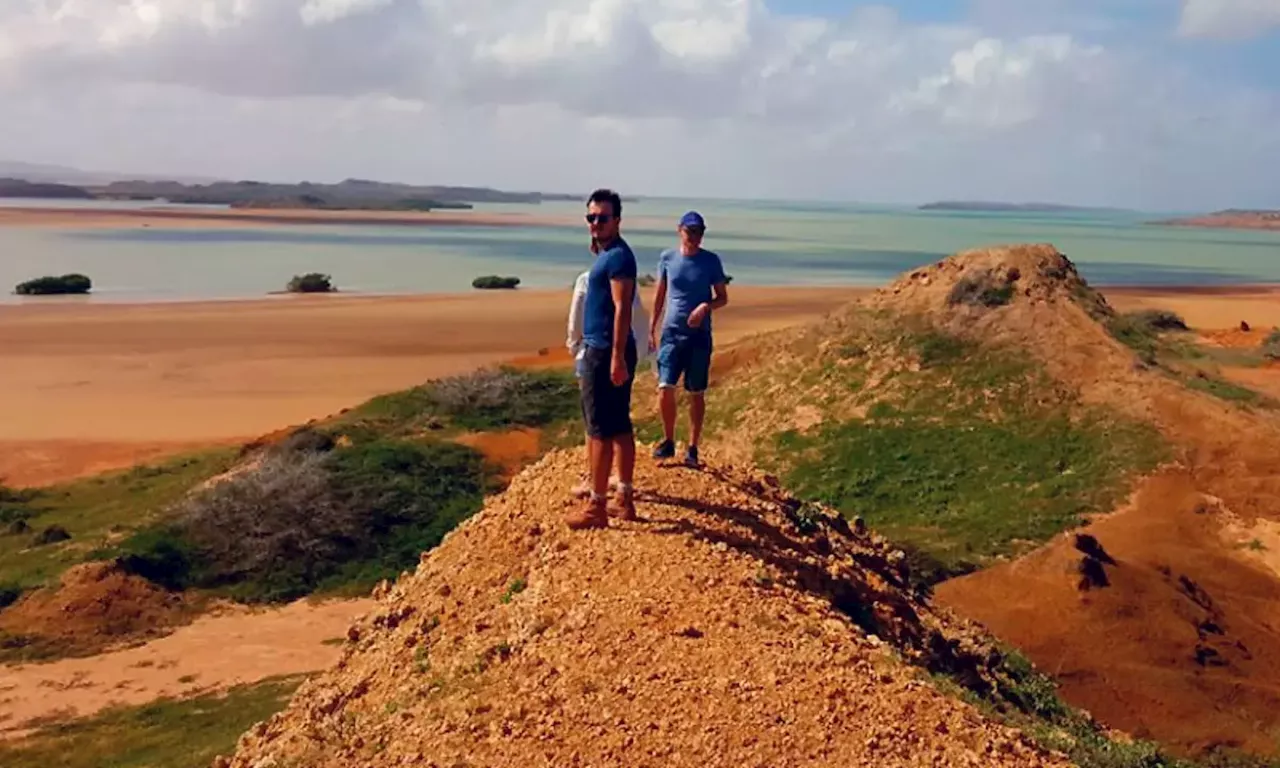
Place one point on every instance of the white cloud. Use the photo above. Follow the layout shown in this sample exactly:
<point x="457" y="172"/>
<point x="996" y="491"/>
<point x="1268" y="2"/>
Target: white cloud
<point x="1228" y="18"/>
<point x="660" y="96"/>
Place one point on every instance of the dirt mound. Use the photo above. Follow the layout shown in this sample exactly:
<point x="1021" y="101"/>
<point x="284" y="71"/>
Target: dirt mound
<point x="728" y="627"/>
<point x="94" y="606"/>
<point x="1176" y="639"/>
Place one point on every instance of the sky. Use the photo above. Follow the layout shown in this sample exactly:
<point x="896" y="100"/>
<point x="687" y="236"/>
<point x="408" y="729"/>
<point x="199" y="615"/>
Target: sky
<point x="1169" y="105"/>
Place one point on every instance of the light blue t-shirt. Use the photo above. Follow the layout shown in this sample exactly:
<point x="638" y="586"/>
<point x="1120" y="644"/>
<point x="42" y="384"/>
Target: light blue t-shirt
<point x="689" y="283"/>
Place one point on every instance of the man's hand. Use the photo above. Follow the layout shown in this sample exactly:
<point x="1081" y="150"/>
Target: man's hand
<point x="698" y="315"/>
<point x="653" y="340"/>
<point x="618" y="371"/>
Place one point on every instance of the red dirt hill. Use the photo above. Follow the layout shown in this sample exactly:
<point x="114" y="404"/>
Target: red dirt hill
<point x="1183" y="643"/>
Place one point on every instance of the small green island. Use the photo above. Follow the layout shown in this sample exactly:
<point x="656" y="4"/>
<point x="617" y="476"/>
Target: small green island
<point x="494" y="282"/>
<point x="64" y="285"/>
<point x="312" y="282"/>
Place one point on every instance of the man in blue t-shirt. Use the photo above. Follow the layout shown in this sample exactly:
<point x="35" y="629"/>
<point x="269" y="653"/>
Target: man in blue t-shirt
<point x="691" y="285"/>
<point x="608" y="363"/>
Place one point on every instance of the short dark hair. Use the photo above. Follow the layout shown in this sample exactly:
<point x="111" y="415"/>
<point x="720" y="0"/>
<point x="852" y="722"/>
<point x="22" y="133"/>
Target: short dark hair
<point x="607" y="196"/>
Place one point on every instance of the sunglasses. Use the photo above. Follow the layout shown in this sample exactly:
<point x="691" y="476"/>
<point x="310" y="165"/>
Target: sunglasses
<point x="603" y="218"/>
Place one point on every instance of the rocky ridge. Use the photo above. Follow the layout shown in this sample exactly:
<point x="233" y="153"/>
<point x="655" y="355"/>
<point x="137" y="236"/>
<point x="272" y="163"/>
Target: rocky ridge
<point x="732" y="625"/>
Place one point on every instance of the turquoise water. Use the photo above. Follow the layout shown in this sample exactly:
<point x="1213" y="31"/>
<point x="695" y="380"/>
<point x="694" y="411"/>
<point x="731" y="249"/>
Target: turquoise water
<point x="763" y="243"/>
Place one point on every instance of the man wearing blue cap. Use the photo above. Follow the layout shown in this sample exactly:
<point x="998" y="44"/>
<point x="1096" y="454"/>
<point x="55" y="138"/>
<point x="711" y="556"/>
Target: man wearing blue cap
<point x="691" y="285"/>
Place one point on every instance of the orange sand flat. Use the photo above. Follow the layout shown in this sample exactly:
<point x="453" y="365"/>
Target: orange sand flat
<point x="234" y="647"/>
<point x="87" y="387"/>
<point x="1206" y="308"/>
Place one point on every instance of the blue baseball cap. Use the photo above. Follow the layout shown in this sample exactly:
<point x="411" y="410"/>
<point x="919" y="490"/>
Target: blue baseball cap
<point x="693" y="220"/>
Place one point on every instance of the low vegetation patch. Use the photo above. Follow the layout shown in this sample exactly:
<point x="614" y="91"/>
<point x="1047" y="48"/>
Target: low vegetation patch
<point x="494" y="282"/>
<point x="174" y="734"/>
<point x="1152" y="335"/>
<point x="985" y="289"/>
<point x="303" y="520"/>
<point x="50" y="285"/>
<point x="95" y="512"/>
<point x="1141" y="331"/>
<point x="960" y="454"/>
<point x="312" y="282"/>
<point x="488" y="399"/>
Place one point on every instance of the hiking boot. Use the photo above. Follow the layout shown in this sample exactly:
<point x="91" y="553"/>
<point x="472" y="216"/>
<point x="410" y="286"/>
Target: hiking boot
<point x="665" y="450"/>
<point x="691" y="457"/>
<point x="624" y="506"/>
<point x="593" y="514"/>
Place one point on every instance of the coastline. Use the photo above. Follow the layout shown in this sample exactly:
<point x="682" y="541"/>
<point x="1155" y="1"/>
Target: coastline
<point x="172" y="216"/>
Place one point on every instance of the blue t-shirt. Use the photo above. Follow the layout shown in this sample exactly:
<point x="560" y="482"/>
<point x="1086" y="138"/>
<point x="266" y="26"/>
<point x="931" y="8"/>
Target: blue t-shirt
<point x="615" y="263"/>
<point x="689" y="283"/>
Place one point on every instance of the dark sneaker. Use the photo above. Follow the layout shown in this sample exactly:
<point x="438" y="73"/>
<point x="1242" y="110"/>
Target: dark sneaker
<point x="665" y="450"/>
<point x="691" y="456"/>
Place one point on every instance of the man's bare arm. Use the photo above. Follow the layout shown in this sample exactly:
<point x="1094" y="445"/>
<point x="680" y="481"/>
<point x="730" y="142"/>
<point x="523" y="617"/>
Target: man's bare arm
<point x="659" y="305"/>
<point x="721" y="296"/>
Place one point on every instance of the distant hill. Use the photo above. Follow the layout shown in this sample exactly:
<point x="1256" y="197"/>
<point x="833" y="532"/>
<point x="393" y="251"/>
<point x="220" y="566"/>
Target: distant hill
<point x="1232" y="218"/>
<point x="978" y="205"/>
<point x="45" y="190"/>
<point x="61" y="174"/>
<point x="49" y="181"/>
<point x="349" y="194"/>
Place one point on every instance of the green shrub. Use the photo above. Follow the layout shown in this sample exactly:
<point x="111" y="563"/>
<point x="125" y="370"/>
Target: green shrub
<point x="49" y="285"/>
<point x="646" y="280"/>
<point x="303" y="520"/>
<point x="52" y="534"/>
<point x="9" y="594"/>
<point x="312" y="282"/>
<point x="494" y="282"/>
<point x="162" y="555"/>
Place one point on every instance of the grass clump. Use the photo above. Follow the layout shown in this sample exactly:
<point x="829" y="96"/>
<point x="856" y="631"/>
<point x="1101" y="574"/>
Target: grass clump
<point x="96" y="512"/>
<point x="169" y="733"/>
<point x="53" y="286"/>
<point x="303" y="521"/>
<point x="979" y="456"/>
<point x="1140" y="331"/>
<point x="985" y="289"/>
<point x="494" y="282"/>
<point x="1224" y="390"/>
<point x="312" y="282"/>
<point x="487" y="399"/>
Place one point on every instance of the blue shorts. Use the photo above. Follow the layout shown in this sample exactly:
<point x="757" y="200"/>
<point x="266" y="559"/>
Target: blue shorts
<point x="690" y="358"/>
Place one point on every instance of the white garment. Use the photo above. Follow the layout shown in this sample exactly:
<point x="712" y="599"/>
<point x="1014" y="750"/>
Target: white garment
<point x="577" y="305"/>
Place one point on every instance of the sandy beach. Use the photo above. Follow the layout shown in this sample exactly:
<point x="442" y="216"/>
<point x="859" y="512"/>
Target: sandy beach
<point x="90" y="387"/>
